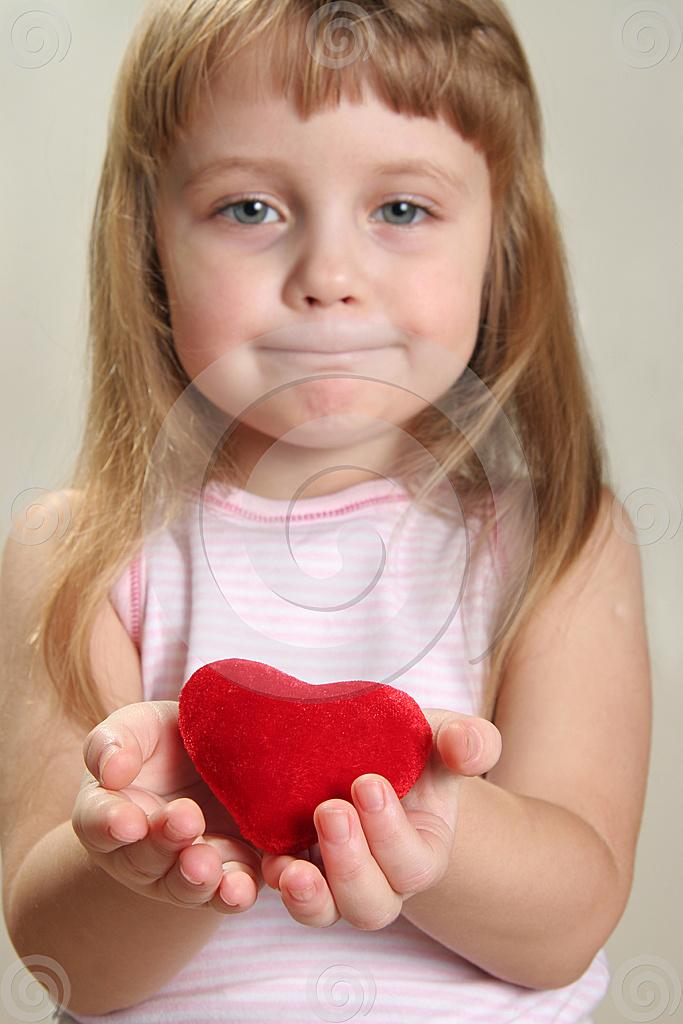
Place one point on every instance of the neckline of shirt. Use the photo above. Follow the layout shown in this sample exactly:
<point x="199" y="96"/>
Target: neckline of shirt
<point x="229" y="498"/>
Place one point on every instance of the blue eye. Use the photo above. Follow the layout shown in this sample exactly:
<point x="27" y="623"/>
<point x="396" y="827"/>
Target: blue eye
<point x="406" y="203"/>
<point x="255" y="209"/>
<point x="249" y="201"/>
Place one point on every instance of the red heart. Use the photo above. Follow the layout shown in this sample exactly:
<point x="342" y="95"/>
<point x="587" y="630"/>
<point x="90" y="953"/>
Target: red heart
<point x="272" y="747"/>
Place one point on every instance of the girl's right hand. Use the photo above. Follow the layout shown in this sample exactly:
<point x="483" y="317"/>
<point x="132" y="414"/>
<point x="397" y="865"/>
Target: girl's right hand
<point x="142" y="816"/>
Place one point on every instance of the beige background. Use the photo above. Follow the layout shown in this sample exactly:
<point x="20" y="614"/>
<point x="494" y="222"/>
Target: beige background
<point x="614" y="144"/>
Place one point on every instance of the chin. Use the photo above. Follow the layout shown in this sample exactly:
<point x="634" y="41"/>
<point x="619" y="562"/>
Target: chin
<point x="334" y="431"/>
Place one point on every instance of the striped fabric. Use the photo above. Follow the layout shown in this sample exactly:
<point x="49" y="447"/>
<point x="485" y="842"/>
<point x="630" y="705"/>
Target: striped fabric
<point x="360" y="584"/>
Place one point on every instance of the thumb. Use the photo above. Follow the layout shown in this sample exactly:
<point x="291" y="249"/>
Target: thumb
<point x="127" y="738"/>
<point x="467" y="744"/>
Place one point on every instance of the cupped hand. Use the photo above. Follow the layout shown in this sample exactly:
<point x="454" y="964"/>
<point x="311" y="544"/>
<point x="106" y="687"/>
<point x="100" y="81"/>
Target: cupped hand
<point x="149" y="820"/>
<point x="392" y="852"/>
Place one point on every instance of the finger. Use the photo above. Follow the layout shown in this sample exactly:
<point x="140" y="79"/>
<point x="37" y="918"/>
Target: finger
<point x="170" y="829"/>
<point x="410" y="859"/>
<point x="360" y="889"/>
<point x="302" y="885"/>
<point x="170" y="864"/>
<point x="242" y="876"/>
<point x="306" y="895"/>
<point x="115" y="750"/>
<point x="214" y="872"/>
<point x="191" y="879"/>
<point x="242" y="871"/>
<point x="273" y="864"/>
<point x="239" y="885"/>
<point x="468" y="745"/>
<point x="103" y="821"/>
<point x="129" y="737"/>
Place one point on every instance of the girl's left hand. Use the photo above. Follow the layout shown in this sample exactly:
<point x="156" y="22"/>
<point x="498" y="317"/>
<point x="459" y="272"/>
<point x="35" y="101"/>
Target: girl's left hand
<point x="394" y="852"/>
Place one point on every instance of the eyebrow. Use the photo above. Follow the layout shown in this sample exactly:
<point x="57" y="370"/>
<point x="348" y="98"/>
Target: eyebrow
<point x="424" y="168"/>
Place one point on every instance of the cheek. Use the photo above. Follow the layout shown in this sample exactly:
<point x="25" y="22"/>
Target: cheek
<point x="212" y="311"/>
<point x="443" y="304"/>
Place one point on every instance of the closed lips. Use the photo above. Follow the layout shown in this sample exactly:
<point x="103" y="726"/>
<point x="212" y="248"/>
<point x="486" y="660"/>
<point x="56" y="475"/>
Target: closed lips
<point x="327" y="351"/>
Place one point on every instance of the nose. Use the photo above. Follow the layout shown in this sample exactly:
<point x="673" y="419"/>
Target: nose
<point x="326" y="270"/>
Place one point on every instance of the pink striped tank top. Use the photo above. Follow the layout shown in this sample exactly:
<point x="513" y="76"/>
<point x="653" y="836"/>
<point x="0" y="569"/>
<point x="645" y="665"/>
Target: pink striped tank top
<point x="359" y="584"/>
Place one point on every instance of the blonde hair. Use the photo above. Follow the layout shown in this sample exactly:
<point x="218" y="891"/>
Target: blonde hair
<point x="458" y="58"/>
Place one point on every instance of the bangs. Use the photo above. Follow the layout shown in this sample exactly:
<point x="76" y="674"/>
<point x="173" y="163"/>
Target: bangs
<point x="430" y="60"/>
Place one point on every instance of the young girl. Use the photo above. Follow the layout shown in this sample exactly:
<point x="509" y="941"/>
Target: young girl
<point x="338" y="424"/>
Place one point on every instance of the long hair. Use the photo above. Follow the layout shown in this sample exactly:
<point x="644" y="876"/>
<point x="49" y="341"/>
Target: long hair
<point x="458" y="58"/>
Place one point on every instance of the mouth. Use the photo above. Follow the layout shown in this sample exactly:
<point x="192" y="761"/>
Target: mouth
<point x="330" y="338"/>
<point x="326" y="353"/>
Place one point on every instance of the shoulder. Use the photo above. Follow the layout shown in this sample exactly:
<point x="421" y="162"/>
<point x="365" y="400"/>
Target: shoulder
<point x="604" y="574"/>
<point x="31" y="541"/>
<point x="609" y="557"/>
<point x="25" y="579"/>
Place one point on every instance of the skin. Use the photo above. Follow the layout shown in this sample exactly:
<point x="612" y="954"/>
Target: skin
<point x="330" y="248"/>
<point x="327" y="247"/>
<point x="394" y="852"/>
<point x="149" y="821"/>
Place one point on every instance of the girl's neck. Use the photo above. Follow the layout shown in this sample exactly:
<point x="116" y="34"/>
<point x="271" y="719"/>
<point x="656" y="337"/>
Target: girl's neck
<point x="275" y="469"/>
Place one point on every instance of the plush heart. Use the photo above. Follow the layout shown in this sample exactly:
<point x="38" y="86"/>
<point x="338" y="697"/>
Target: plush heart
<point x="272" y="747"/>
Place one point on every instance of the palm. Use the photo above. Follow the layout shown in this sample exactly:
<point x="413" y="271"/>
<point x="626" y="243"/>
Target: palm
<point x="168" y="773"/>
<point x="431" y="804"/>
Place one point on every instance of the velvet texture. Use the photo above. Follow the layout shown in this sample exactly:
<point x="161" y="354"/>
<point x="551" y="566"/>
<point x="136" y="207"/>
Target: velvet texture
<point x="272" y="747"/>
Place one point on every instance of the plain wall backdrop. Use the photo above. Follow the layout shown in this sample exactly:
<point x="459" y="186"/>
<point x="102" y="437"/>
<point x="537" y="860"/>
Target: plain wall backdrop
<point x="610" y="76"/>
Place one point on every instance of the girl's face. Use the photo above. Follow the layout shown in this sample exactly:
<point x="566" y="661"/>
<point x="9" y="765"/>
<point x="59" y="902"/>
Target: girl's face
<point x="322" y="241"/>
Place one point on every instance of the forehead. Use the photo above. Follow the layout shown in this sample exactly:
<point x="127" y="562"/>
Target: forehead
<point x="243" y="110"/>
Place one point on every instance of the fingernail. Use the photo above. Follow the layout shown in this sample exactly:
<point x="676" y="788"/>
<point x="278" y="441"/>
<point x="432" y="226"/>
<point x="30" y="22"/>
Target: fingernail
<point x="296" y="889"/>
<point x="173" y="834"/>
<point x="227" y="864"/>
<point x="335" y="825"/>
<point x="125" y="835"/>
<point x="106" y="755"/>
<point x="475" y="744"/>
<point x="303" y="895"/>
<point x="192" y="881"/>
<point x="370" y="795"/>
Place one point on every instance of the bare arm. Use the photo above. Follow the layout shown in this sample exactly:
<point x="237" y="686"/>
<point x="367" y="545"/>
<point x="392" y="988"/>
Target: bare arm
<point x="116" y="947"/>
<point x="116" y="944"/>
<point x="531" y="893"/>
<point x="545" y="847"/>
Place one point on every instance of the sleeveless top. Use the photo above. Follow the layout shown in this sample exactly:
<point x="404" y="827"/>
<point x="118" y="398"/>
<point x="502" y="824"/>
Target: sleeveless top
<point x="359" y="584"/>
